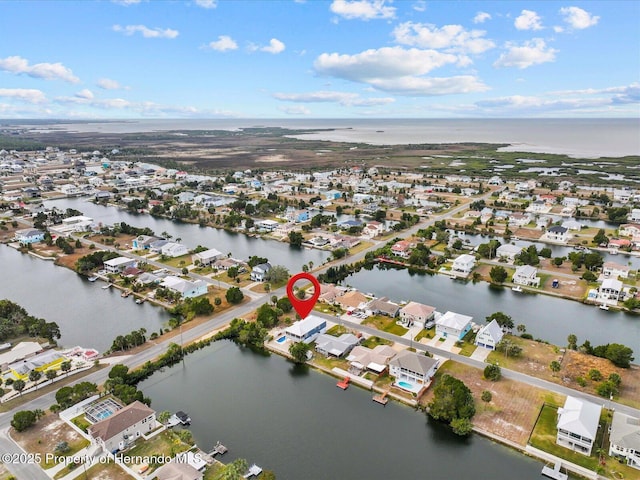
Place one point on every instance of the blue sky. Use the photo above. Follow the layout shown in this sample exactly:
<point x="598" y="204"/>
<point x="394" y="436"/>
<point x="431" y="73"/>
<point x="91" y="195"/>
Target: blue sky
<point x="319" y="59"/>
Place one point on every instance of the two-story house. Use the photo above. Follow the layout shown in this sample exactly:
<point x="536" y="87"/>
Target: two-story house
<point x="123" y="427"/>
<point x="578" y="425"/>
<point x="624" y="439"/>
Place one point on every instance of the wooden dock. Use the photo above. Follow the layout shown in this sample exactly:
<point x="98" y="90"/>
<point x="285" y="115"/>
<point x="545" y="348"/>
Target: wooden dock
<point x="344" y="384"/>
<point x="381" y="399"/>
<point x="554" y="472"/>
<point x="218" y="449"/>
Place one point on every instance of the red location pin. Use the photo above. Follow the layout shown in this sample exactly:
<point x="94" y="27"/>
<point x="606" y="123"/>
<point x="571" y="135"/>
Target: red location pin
<point x="303" y="307"/>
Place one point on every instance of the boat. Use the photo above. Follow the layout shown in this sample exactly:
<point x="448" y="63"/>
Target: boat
<point x="517" y="288"/>
<point x="604" y="306"/>
<point x="108" y="285"/>
<point x="92" y="278"/>
<point x="139" y="301"/>
<point x="554" y="472"/>
<point x="183" y="417"/>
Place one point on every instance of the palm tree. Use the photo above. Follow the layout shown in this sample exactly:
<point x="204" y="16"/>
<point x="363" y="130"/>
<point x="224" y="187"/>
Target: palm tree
<point x="18" y="386"/>
<point x="34" y="376"/>
<point x="65" y="367"/>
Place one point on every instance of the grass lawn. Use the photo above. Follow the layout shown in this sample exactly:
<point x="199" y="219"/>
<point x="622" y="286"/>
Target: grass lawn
<point x="329" y="362"/>
<point x="165" y="443"/>
<point x="373" y="342"/>
<point x="328" y="309"/>
<point x="106" y="471"/>
<point x="337" y="330"/>
<point x="213" y="472"/>
<point x="467" y="349"/>
<point x="81" y="422"/>
<point x="177" y="262"/>
<point x="385" y="324"/>
<point x="363" y="245"/>
<point x="425" y="333"/>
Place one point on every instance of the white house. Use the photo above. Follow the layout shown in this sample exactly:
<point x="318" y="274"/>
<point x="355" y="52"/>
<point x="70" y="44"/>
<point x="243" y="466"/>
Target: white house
<point x="118" y="264"/>
<point x="464" y="264"/>
<point x="173" y="250"/>
<point x="610" y="289"/>
<point x="526" y="275"/>
<point x="123" y="427"/>
<point x="453" y="324"/>
<point x="634" y="216"/>
<point x="578" y="425"/>
<point x="624" y="439"/>
<point x="557" y="234"/>
<point x="412" y="367"/>
<point x="186" y="288"/>
<point x="306" y="330"/>
<point x="207" y="257"/>
<point x="489" y="335"/>
<point x="331" y="346"/>
<point x="414" y="312"/>
<point x="629" y="230"/>
<point x="508" y="252"/>
<point x="259" y="272"/>
<point x="615" y="270"/>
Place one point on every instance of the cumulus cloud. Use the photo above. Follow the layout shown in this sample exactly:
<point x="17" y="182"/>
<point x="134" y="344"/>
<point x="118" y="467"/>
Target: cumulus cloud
<point x="420" y="6"/>
<point x="481" y="17"/>
<point x="223" y="44"/>
<point x="528" y="20"/>
<point x="295" y="110"/>
<point x="108" y="84"/>
<point x="85" y="94"/>
<point x="452" y="37"/>
<point x="343" y="98"/>
<point x="398" y="70"/>
<point x="578" y="18"/>
<point x="275" y="46"/>
<point x="146" y="32"/>
<point x="46" y="71"/>
<point x="362" y="9"/>
<point x="29" y="95"/>
<point x="207" y="3"/>
<point x="533" y="52"/>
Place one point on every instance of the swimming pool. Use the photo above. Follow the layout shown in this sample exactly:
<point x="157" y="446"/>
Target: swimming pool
<point x="407" y="385"/>
<point x="282" y="339"/>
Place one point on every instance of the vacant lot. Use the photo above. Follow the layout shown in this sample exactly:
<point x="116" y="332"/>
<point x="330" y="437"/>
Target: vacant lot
<point x="109" y="471"/>
<point x="514" y="406"/>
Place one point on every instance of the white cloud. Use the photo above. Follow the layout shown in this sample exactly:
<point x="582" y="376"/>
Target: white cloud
<point x="533" y="52"/>
<point x="420" y="6"/>
<point x="578" y="18"/>
<point x="398" y="70"/>
<point x="207" y="3"/>
<point x="275" y="46"/>
<point x="295" y="110"/>
<point x="558" y="29"/>
<point x="453" y="37"/>
<point x="481" y="17"/>
<point x="343" y="98"/>
<point x="126" y="3"/>
<point x="528" y="20"/>
<point x="146" y="31"/>
<point x="47" y="71"/>
<point x="30" y="95"/>
<point x="108" y="84"/>
<point x="223" y="44"/>
<point x="362" y="9"/>
<point x="85" y="94"/>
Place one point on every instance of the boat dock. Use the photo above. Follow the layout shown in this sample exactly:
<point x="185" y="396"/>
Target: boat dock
<point x="218" y="449"/>
<point x="254" y="471"/>
<point x="105" y="287"/>
<point x="381" y="399"/>
<point x="554" y="472"/>
<point x="344" y="384"/>
<point x="179" y="418"/>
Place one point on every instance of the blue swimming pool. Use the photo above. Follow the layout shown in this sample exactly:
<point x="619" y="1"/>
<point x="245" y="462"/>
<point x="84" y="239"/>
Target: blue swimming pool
<point x="281" y="339"/>
<point x="407" y="385"/>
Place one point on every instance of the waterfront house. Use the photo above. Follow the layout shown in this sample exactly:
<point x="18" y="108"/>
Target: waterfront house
<point x="186" y="288"/>
<point x="375" y="359"/>
<point x="148" y="278"/>
<point x="306" y="330"/>
<point x="266" y="225"/>
<point x="329" y="292"/>
<point x="156" y="247"/>
<point x="207" y="257"/>
<point x="508" y="252"/>
<point x="629" y="229"/>
<point x="352" y="300"/>
<point x="297" y="216"/>
<point x="610" y="289"/>
<point x="624" y="439"/>
<point x="489" y="335"/>
<point x="526" y="275"/>
<point x="173" y="250"/>
<point x="518" y="219"/>
<point x="414" y="312"/>
<point x="634" y="216"/>
<point x="259" y="272"/>
<point x="143" y="242"/>
<point x="47" y="360"/>
<point x="413" y="367"/>
<point x="578" y="425"/>
<point x="453" y="324"/>
<point x="402" y="249"/>
<point x="118" y="264"/>
<point x="382" y="306"/>
<point x="572" y="224"/>
<point x="123" y="427"/>
<point x="28" y="236"/>
<point x="464" y="264"/>
<point x="331" y="346"/>
<point x="177" y="470"/>
<point x="617" y="243"/>
<point x="557" y="234"/>
<point x="615" y="270"/>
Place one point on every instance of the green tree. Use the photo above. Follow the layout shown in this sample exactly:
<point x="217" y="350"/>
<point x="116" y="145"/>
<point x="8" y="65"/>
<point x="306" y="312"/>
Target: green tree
<point x="284" y="304"/>
<point x="557" y="261"/>
<point x="119" y="371"/>
<point x="34" y="376"/>
<point x="65" y="366"/>
<point x="51" y="374"/>
<point x="486" y="396"/>
<point x="572" y="342"/>
<point x="619" y="355"/>
<point x="23" y="420"/>
<point x="277" y="274"/>
<point x="555" y="366"/>
<point x="498" y="274"/>
<point x="18" y="386"/>
<point x="164" y="416"/>
<point x="452" y="400"/>
<point x="545" y="252"/>
<point x="595" y="375"/>
<point x="234" y="295"/>
<point x="505" y="321"/>
<point x="492" y="372"/>
<point x="299" y="351"/>
<point x="232" y="272"/>
<point x="461" y="426"/>
<point x="234" y="470"/>
<point x="295" y="239"/>
<point x="217" y="301"/>
<point x="600" y="238"/>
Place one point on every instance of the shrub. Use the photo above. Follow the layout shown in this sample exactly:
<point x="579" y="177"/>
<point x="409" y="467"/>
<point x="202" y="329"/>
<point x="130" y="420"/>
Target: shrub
<point x="492" y="372"/>
<point x="486" y="396"/>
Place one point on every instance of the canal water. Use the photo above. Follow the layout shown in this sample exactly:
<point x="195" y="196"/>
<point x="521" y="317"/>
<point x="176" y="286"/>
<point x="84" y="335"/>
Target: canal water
<point x="192" y="235"/>
<point x="296" y="422"/>
<point x="86" y="314"/>
<point x="549" y="318"/>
